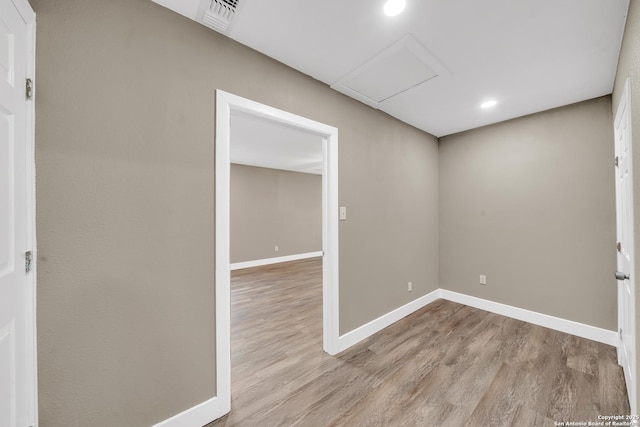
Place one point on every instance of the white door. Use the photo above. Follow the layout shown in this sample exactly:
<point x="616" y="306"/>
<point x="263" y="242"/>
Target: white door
<point x="17" y="326"/>
<point x="625" y="247"/>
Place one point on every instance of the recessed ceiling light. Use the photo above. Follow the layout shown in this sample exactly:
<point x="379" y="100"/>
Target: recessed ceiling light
<point x="489" y="104"/>
<point x="394" y="7"/>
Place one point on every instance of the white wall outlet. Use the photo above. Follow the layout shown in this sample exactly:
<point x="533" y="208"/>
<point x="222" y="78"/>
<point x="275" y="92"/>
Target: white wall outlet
<point x="343" y="213"/>
<point x="483" y="279"/>
<point x="409" y="286"/>
<point x="275" y="249"/>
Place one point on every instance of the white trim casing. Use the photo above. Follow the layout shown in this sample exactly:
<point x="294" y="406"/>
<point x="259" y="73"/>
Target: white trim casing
<point x="227" y="103"/>
<point x="330" y="239"/>
<point x="29" y="17"/>
<point x="196" y="416"/>
<point x="568" y="326"/>
<point x="222" y="261"/>
<point x="352" y="338"/>
<point x="276" y="260"/>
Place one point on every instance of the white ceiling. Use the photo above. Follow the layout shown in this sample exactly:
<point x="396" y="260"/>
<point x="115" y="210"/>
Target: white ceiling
<point x="263" y="143"/>
<point x="434" y="64"/>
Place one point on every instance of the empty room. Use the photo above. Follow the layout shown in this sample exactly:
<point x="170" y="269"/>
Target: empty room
<point x="347" y="213"/>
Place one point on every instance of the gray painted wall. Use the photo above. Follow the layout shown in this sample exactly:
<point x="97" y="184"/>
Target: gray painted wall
<point x="531" y="204"/>
<point x="629" y="66"/>
<point x="271" y="208"/>
<point x="125" y="213"/>
<point x="125" y="161"/>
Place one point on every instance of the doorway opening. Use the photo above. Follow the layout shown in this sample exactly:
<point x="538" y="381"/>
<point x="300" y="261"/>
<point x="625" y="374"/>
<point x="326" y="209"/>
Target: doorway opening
<point x="276" y="193"/>
<point x="226" y="106"/>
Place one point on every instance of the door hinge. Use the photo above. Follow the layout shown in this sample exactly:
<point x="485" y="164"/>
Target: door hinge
<point x="619" y="246"/>
<point x="617" y="161"/>
<point x="29" y="89"/>
<point x="620" y="332"/>
<point x="27" y="261"/>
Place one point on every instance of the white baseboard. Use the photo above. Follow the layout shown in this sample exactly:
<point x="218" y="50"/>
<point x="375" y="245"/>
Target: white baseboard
<point x="351" y="338"/>
<point x="267" y="261"/>
<point x="570" y="327"/>
<point x="199" y="415"/>
<point x="215" y="408"/>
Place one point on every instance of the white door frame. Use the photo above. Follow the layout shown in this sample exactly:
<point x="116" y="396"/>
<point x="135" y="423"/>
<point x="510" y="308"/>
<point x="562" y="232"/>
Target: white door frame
<point x="27" y="14"/>
<point x="227" y="103"/>
<point x="32" y="351"/>
<point x="625" y="236"/>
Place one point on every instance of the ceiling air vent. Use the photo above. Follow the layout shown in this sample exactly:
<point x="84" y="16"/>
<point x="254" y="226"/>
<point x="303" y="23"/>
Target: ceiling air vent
<point x="218" y="15"/>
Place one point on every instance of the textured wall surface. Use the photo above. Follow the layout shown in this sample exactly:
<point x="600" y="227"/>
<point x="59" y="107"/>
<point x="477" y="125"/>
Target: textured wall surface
<point x="530" y="203"/>
<point x="271" y="208"/>
<point x="125" y="163"/>
<point x="125" y="214"/>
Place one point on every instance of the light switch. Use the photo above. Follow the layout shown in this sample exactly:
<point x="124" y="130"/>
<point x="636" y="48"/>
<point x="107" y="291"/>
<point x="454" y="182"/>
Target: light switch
<point x="343" y="213"/>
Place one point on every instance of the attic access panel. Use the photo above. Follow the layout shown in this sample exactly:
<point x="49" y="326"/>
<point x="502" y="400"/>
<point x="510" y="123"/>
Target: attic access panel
<point x="400" y="68"/>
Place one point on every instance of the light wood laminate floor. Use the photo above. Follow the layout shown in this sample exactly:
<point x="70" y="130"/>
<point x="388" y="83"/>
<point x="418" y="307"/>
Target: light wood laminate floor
<point x="445" y="365"/>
